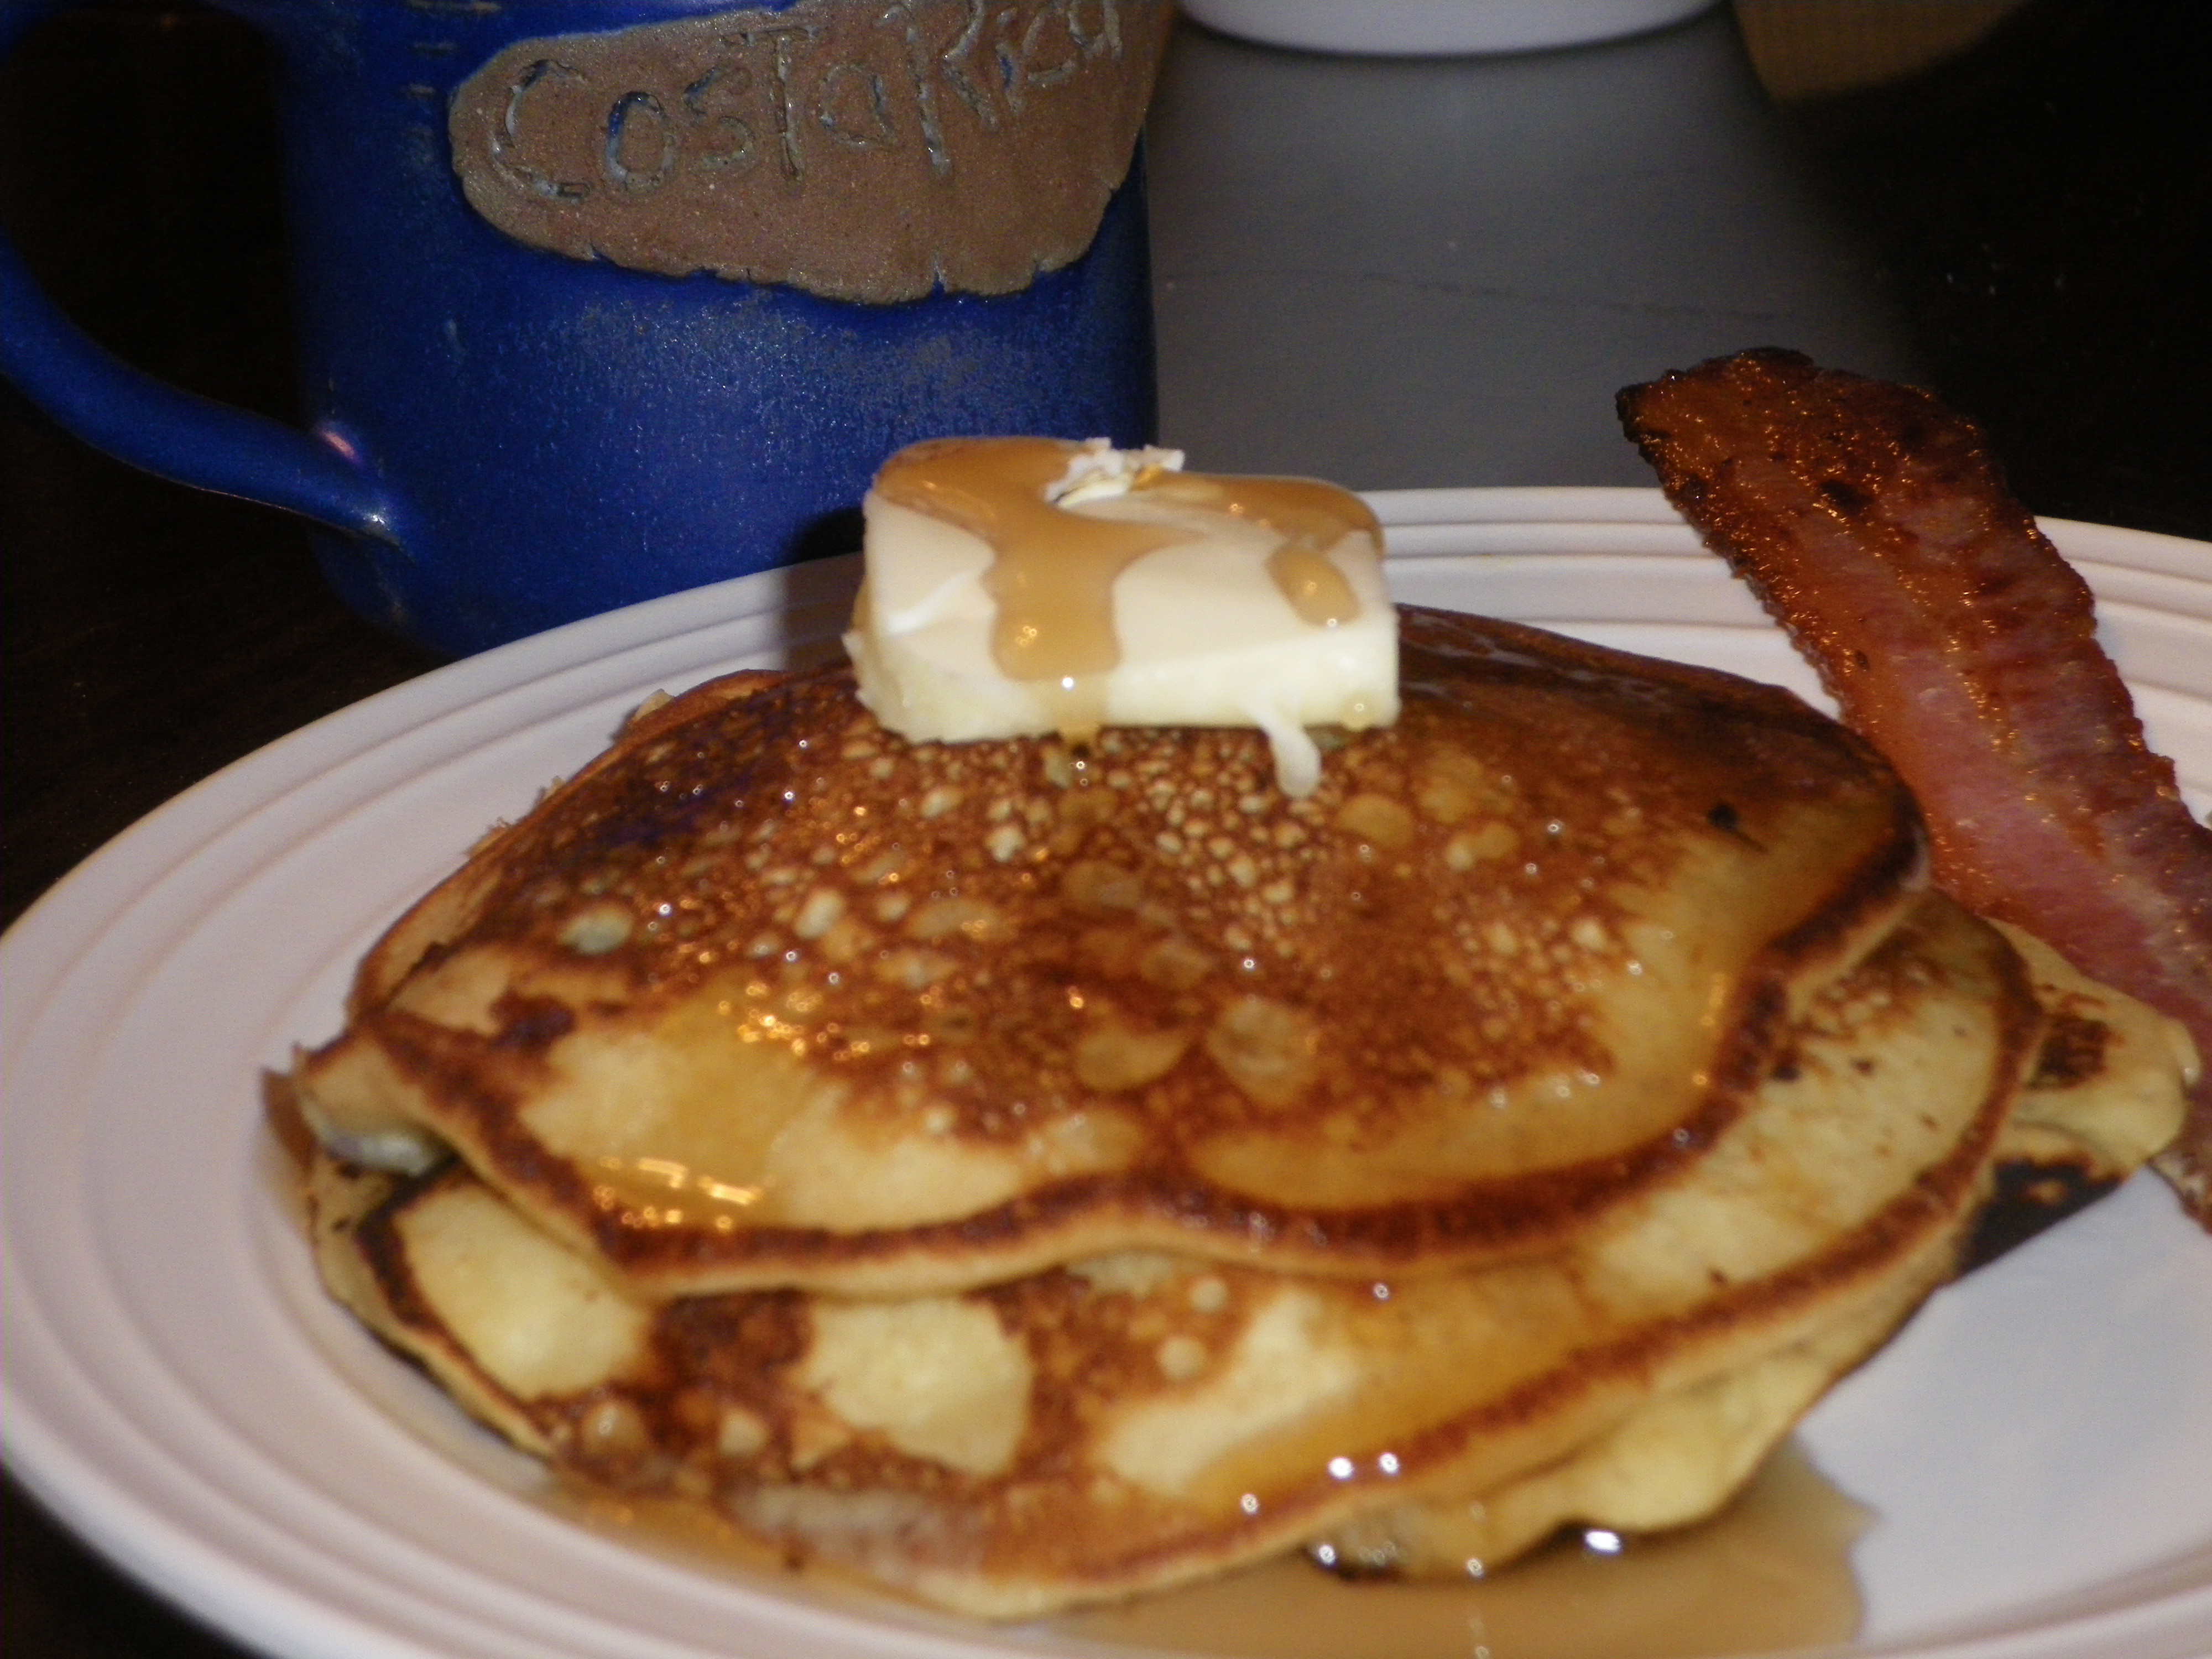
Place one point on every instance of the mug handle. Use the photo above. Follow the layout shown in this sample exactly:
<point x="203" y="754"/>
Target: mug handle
<point x="173" y="434"/>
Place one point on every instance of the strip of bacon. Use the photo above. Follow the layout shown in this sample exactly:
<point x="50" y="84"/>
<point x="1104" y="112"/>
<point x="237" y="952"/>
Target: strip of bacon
<point x="1874" y="524"/>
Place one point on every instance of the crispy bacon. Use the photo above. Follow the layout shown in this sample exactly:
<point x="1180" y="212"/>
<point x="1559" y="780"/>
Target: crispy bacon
<point x="1874" y="524"/>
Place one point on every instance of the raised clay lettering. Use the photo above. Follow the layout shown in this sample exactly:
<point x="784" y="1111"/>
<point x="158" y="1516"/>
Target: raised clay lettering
<point x="916" y="145"/>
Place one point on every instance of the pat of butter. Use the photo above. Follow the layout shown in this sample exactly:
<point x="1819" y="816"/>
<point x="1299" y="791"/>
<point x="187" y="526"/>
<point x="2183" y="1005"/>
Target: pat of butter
<point x="1203" y="632"/>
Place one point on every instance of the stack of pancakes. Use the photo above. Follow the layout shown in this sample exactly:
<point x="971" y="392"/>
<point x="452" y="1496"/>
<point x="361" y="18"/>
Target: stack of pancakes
<point x="1028" y="1174"/>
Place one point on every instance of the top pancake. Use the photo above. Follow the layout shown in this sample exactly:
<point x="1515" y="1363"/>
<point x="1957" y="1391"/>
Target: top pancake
<point x="768" y="996"/>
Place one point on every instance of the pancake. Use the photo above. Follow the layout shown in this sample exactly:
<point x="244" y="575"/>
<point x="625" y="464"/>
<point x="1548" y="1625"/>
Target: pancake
<point x="2103" y="1096"/>
<point x="1119" y="1423"/>
<point x="767" y="997"/>
<point x="2101" y="1102"/>
<point x="1024" y="1175"/>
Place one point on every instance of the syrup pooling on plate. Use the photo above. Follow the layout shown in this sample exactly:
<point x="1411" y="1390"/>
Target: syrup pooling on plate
<point x="1771" y="1572"/>
<point x="1025" y="586"/>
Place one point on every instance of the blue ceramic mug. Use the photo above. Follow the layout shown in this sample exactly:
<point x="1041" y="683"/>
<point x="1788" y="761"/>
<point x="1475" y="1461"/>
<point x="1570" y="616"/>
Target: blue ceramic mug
<point x="603" y="299"/>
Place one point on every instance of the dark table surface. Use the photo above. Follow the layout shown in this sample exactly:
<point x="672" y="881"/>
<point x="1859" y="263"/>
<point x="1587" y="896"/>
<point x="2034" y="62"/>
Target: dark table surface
<point x="1394" y="273"/>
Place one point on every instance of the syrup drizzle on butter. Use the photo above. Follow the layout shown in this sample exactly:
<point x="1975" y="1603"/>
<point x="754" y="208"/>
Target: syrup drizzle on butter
<point x="1053" y="570"/>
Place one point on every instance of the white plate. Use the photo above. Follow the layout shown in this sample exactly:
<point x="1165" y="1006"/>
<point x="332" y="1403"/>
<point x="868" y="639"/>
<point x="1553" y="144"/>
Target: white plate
<point x="2039" y="1445"/>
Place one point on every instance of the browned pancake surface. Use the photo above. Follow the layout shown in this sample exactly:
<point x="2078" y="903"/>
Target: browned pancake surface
<point x="944" y="1013"/>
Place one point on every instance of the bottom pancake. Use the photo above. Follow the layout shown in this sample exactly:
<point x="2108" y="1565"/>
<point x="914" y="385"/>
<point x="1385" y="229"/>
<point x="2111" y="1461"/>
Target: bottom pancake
<point x="1129" y="1422"/>
<point x="1673" y="1461"/>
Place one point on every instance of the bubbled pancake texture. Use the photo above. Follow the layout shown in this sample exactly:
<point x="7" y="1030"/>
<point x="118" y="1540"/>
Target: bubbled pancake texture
<point x="769" y="996"/>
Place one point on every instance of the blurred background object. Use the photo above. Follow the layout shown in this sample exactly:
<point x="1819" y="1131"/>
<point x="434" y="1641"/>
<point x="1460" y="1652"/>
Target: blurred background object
<point x="1809" y="48"/>
<point x="2037" y="196"/>
<point x="1407" y="271"/>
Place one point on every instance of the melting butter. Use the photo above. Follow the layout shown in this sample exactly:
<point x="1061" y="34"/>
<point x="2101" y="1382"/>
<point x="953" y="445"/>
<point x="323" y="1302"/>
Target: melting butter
<point x="1020" y="585"/>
